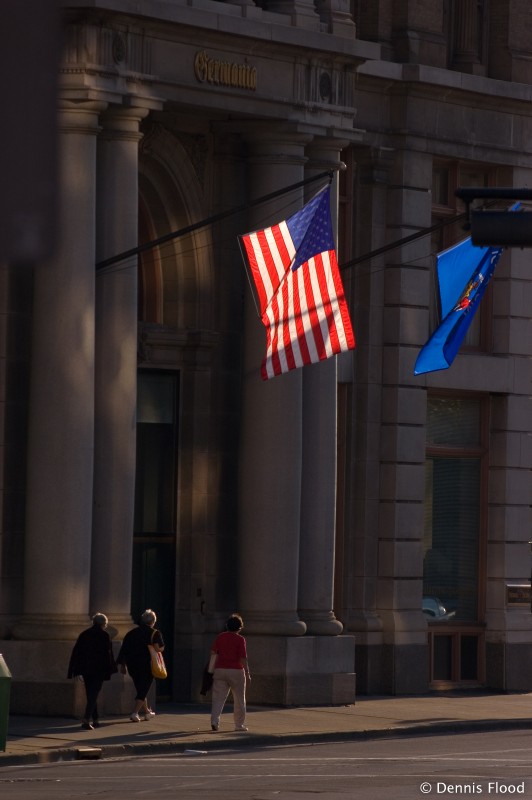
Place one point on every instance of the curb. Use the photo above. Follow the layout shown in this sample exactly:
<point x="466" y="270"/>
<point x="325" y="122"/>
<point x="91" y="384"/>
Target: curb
<point x="85" y="752"/>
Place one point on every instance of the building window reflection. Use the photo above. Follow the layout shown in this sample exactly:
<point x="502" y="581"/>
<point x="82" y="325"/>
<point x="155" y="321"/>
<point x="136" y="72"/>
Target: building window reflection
<point x="454" y="538"/>
<point x="453" y="510"/>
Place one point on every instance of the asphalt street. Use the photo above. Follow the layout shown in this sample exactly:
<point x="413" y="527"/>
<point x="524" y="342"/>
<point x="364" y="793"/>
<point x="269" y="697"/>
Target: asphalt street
<point x="496" y="765"/>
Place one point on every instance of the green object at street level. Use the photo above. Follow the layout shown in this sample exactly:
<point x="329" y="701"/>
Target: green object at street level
<point x="5" y="689"/>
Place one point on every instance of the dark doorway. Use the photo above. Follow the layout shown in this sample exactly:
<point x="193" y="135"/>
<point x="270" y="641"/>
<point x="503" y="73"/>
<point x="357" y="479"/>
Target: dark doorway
<point x="154" y="543"/>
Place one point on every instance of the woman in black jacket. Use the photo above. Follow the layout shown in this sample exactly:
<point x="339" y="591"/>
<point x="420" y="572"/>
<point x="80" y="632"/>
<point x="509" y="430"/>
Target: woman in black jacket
<point x="134" y="657"/>
<point x="92" y="659"/>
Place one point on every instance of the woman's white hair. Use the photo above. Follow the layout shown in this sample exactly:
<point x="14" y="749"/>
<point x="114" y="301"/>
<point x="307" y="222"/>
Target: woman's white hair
<point x="149" y="617"/>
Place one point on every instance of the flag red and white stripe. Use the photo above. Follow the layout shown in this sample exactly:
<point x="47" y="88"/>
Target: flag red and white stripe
<point x="303" y="307"/>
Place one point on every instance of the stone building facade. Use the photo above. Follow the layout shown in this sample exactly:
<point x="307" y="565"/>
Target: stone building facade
<point x="371" y="526"/>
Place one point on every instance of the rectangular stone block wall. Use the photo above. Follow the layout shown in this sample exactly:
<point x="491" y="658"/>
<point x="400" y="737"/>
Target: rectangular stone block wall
<point x="39" y="684"/>
<point x="508" y="667"/>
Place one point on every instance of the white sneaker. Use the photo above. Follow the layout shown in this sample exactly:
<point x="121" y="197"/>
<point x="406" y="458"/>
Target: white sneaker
<point x="150" y="713"/>
<point x="148" y="716"/>
<point x="241" y="728"/>
<point x="134" y="718"/>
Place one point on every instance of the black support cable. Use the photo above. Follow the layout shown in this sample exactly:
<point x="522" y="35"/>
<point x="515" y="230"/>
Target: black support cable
<point x="107" y="262"/>
<point x="407" y="239"/>
<point x="463" y="216"/>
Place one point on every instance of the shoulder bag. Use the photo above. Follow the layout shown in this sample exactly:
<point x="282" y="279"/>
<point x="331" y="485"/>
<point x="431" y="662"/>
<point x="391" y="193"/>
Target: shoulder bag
<point x="158" y="667"/>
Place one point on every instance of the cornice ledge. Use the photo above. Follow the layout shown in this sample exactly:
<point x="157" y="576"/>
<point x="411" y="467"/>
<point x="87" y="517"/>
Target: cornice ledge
<point x="444" y="79"/>
<point x="271" y="29"/>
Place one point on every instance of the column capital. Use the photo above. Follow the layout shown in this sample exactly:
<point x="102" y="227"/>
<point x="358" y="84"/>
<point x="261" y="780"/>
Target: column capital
<point x="122" y="122"/>
<point x="326" y="150"/>
<point x="256" y="134"/>
<point x="283" y="148"/>
<point x="80" y="117"/>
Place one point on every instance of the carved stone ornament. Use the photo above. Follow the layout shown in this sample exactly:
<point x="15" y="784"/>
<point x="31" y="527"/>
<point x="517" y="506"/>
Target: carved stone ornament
<point x="119" y="48"/>
<point x="325" y="85"/>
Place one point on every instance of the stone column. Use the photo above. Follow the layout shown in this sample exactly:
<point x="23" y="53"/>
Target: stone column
<point x="467" y="36"/>
<point x="61" y="415"/>
<point x="288" y="668"/>
<point x="402" y="434"/>
<point x="508" y="640"/>
<point x="318" y="486"/>
<point x="337" y="16"/>
<point x="116" y="367"/>
<point x="301" y="12"/>
<point x="270" y="451"/>
<point x="361" y="546"/>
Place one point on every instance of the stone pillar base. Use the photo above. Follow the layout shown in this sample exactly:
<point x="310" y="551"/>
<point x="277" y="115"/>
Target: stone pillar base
<point x="67" y="698"/>
<point x="56" y="627"/>
<point x="303" y="690"/>
<point x="40" y="687"/>
<point x="59" y="628"/>
<point x="508" y="666"/>
<point x="302" y="670"/>
<point x="321" y="623"/>
<point x="283" y="624"/>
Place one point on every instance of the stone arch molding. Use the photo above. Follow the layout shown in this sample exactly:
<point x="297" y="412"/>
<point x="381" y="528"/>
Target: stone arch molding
<point x="173" y="198"/>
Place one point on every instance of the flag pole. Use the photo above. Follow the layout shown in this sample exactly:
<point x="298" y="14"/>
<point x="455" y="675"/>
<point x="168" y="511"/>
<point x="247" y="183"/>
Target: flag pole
<point x="244" y="259"/>
<point x="211" y="220"/>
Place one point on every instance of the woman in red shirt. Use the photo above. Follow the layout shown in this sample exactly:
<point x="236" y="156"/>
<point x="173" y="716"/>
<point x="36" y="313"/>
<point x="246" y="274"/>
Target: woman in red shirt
<point x="230" y="673"/>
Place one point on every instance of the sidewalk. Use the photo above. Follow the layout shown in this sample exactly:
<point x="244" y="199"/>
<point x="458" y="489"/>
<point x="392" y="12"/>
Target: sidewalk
<point x="186" y="729"/>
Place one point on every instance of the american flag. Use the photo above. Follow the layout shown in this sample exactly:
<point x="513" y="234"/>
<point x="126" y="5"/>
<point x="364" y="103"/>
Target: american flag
<point x="301" y="297"/>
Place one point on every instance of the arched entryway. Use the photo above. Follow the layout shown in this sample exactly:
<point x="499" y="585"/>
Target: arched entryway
<point x="174" y="312"/>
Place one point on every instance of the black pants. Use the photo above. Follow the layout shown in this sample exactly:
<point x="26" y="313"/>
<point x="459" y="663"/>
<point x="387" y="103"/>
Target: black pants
<point x="93" y="687"/>
<point x="142" y="680"/>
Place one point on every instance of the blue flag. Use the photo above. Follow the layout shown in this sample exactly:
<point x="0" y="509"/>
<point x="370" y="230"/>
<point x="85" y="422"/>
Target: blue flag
<point x="463" y="272"/>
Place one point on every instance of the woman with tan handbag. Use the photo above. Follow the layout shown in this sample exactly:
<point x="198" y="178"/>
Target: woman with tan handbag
<point x="134" y="657"/>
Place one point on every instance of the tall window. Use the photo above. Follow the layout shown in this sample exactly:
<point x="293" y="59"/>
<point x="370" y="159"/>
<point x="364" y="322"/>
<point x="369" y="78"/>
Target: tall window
<point x="454" y="553"/>
<point x="453" y="512"/>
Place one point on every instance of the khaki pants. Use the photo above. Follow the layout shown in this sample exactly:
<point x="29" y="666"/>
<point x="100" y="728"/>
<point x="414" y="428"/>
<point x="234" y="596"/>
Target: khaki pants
<point x="225" y="680"/>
